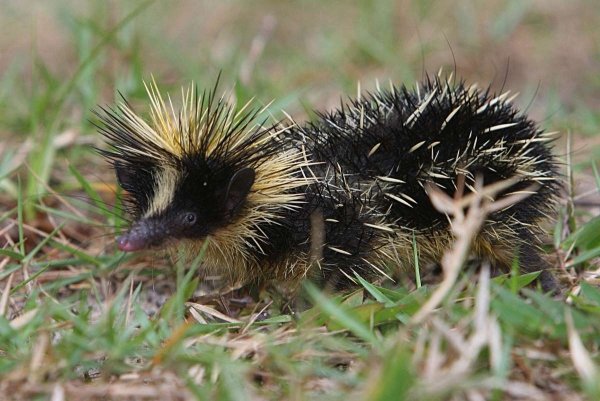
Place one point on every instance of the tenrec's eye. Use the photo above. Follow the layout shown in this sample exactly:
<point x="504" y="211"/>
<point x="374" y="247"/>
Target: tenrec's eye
<point x="189" y="218"/>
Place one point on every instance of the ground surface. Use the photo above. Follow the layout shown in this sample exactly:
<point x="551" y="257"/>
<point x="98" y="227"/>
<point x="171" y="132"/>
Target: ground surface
<point x="81" y="321"/>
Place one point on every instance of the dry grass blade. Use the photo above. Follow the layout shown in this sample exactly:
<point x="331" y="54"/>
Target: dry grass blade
<point x="212" y="312"/>
<point x="450" y="356"/>
<point x="5" y="294"/>
<point x="465" y="228"/>
<point x="581" y="357"/>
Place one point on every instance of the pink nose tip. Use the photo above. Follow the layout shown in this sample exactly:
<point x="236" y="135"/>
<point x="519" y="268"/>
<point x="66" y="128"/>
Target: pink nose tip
<point x="128" y="243"/>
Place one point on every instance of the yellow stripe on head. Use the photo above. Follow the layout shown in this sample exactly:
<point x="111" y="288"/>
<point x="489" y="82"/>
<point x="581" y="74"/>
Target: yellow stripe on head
<point x="166" y="182"/>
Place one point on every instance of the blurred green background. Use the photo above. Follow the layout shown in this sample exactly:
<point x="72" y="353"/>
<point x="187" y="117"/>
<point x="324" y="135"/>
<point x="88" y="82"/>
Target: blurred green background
<point x="299" y="53"/>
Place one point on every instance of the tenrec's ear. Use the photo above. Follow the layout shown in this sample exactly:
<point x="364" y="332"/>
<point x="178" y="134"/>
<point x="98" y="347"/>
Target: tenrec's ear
<point x="238" y="189"/>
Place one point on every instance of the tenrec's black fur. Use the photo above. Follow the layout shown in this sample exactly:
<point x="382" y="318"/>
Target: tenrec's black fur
<point x="349" y="194"/>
